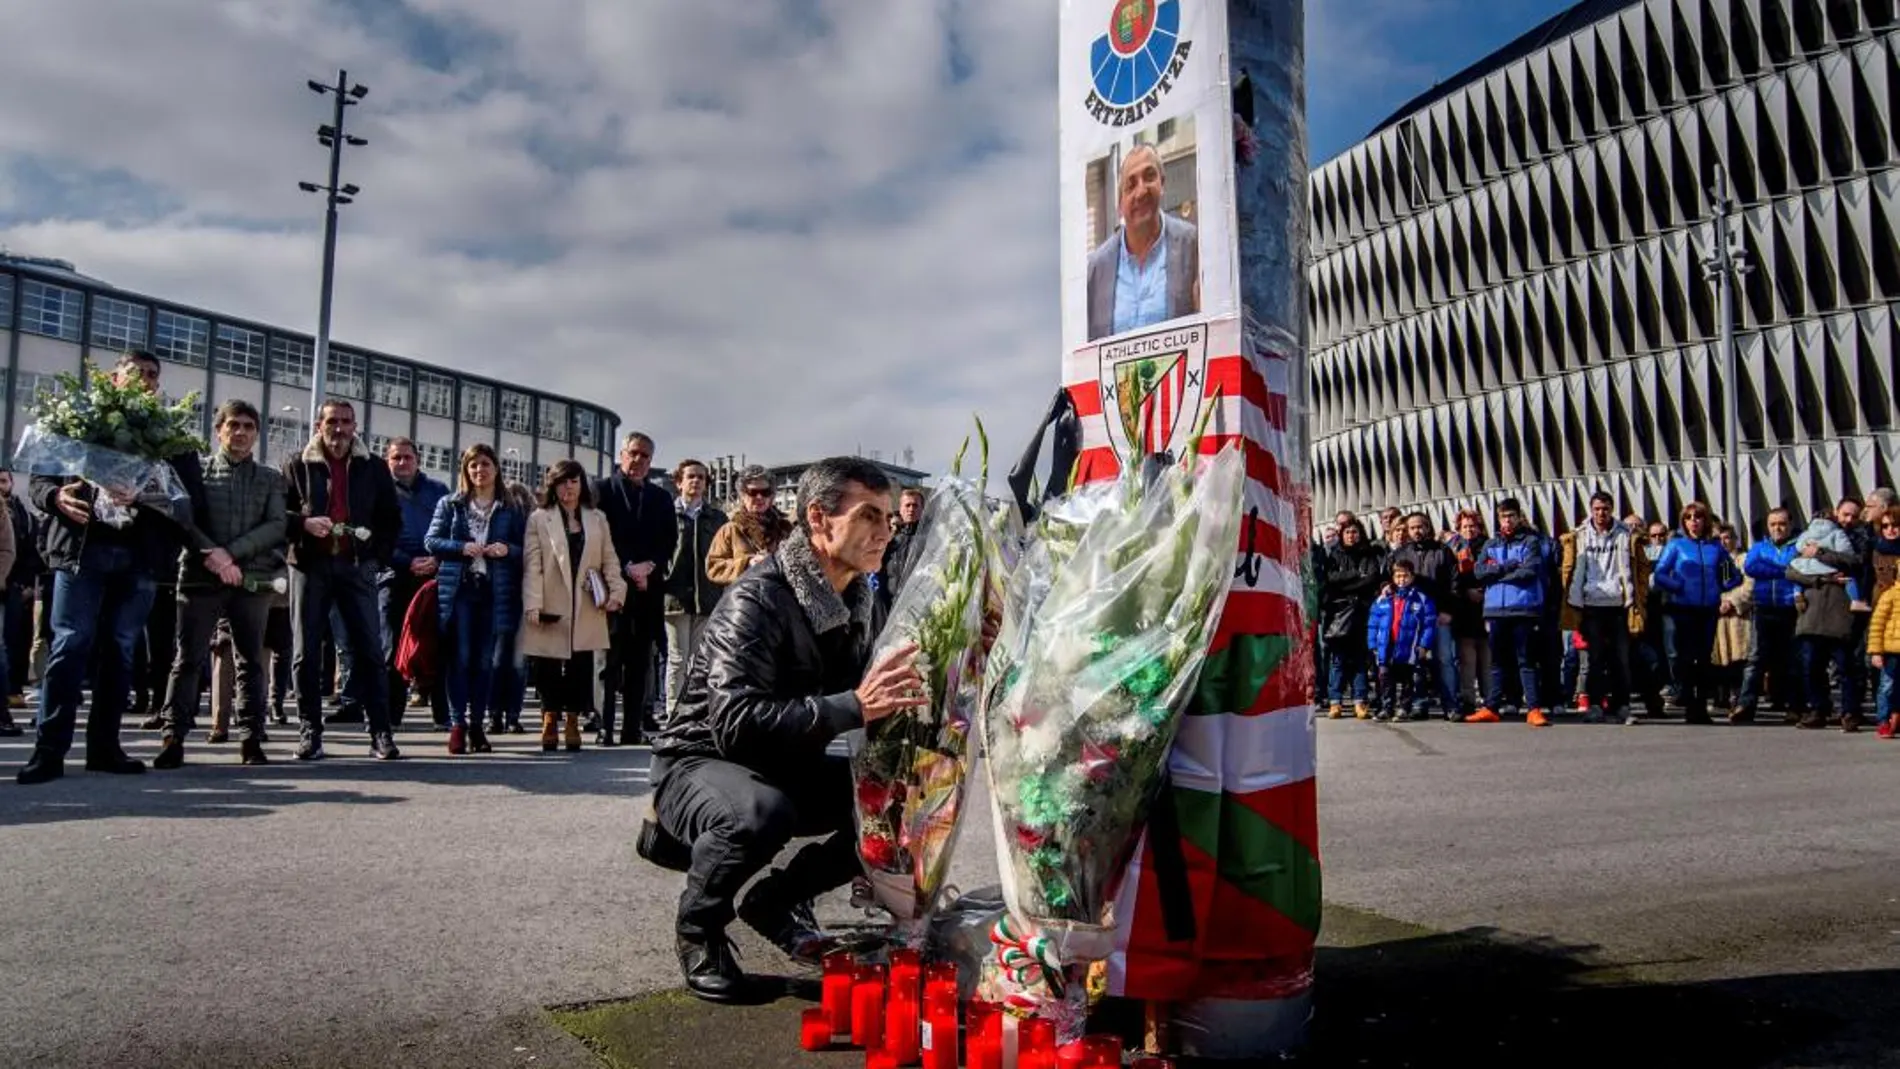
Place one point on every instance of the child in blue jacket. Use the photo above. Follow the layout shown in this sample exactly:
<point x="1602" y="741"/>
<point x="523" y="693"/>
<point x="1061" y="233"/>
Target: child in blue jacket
<point x="1399" y="635"/>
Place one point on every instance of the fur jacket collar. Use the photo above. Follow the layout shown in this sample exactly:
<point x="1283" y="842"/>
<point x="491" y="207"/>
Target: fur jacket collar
<point x="823" y="606"/>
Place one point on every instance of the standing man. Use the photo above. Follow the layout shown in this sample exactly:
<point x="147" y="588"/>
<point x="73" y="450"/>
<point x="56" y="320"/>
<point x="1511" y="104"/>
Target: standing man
<point x="1605" y="579"/>
<point x="104" y="580"/>
<point x="1149" y="269"/>
<point x="910" y="508"/>
<point x="411" y="565"/>
<point x="1772" y="644"/>
<point x="237" y="534"/>
<point x="340" y="504"/>
<point x="1513" y="570"/>
<point x="640" y="517"/>
<point x="742" y="766"/>
<point x="1434" y="571"/>
<point x="22" y="583"/>
<point x="690" y="593"/>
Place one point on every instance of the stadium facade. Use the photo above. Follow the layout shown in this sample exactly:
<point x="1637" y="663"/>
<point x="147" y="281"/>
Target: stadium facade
<point x="1508" y="293"/>
<point x="52" y="318"/>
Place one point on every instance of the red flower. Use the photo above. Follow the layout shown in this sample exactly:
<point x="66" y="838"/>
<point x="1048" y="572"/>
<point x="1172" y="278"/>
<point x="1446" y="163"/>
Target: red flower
<point x="873" y="796"/>
<point x="877" y="851"/>
<point x="1027" y="837"/>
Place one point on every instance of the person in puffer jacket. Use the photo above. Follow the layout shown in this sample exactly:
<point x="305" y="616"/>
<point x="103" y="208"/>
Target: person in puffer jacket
<point x="1771" y="650"/>
<point x="1400" y="635"/>
<point x="1515" y="571"/>
<point x="1695" y="571"/>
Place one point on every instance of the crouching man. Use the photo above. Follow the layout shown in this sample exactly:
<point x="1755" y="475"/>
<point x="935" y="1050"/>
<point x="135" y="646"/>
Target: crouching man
<point x="741" y="767"/>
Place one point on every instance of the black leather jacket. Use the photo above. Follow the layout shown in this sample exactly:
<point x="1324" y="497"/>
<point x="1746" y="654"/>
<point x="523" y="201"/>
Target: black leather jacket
<point x="765" y="689"/>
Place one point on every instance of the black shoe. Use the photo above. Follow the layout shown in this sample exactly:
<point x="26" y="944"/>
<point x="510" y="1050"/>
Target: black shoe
<point x="789" y="930"/>
<point x="349" y="714"/>
<point x="251" y="752"/>
<point x="219" y="737"/>
<point x="40" y="769"/>
<point x="478" y="739"/>
<point x="10" y="730"/>
<point x="171" y="755"/>
<point x="115" y="764"/>
<point x="278" y="716"/>
<point x="710" y="967"/>
<point x="382" y="746"/>
<point x="155" y="722"/>
<point x="605" y="740"/>
<point x="310" y="747"/>
<point x="592" y="723"/>
<point x="515" y="728"/>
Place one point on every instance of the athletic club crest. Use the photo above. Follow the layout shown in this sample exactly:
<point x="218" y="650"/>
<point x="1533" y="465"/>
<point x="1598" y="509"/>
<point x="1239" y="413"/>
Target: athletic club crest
<point x="1134" y="64"/>
<point x="1152" y="387"/>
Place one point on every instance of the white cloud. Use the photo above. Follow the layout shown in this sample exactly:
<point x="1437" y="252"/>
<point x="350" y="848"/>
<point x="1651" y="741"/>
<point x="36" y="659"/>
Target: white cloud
<point x="775" y="228"/>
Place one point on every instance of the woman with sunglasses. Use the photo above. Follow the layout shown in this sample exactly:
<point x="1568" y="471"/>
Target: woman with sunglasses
<point x="754" y="533"/>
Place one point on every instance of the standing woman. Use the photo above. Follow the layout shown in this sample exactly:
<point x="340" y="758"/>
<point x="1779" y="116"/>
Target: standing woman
<point x="568" y="546"/>
<point x="753" y="534"/>
<point x="477" y="537"/>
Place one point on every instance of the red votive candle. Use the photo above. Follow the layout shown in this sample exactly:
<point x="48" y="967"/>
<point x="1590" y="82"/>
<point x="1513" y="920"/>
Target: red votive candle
<point x="979" y="1020"/>
<point x="940" y="999"/>
<point x="814" y="1029"/>
<point x="940" y="1041"/>
<point x="867" y="1009"/>
<point x="900" y="1029"/>
<point x="879" y="1059"/>
<point x="1150" y="1061"/>
<point x="1039" y="1033"/>
<point x="1069" y="1055"/>
<point x="1101" y="1051"/>
<point x="985" y="1054"/>
<point x="941" y="970"/>
<point x="907" y="968"/>
<point x="839" y="973"/>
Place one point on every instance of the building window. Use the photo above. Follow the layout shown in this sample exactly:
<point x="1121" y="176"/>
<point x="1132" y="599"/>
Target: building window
<point x="515" y="470"/>
<point x="586" y="429"/>
<point x="437" y="460"/>
<point x="181" y="339"/>
<point x="515" y="412"/>
<point x="287" y="436"/>
<point x="478" y="404"/>
<point x="6" y="302"/>
<point x="239" y="351"/>
<point x="198" y="413"/>
<point x="50" y="310"/>
<point x="117" y="325"/>
<point x="290" y="362"/>
<point x="346" y="373"/>
<point x="389" y="384"/>
<point x="435" y="394"/>
<point x="554" y="420"/>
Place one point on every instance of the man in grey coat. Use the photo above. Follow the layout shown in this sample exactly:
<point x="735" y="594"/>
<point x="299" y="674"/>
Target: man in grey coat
<point x="1149" y="270"/>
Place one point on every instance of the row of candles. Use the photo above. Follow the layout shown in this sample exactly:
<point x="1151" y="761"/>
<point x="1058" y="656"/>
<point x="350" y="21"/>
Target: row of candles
<point x="905" y="1014"/>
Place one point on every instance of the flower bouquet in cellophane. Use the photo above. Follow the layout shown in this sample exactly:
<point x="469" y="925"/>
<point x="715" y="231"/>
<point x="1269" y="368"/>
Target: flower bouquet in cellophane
<point x="1107" y="625"/>
<point x="117" y="437"/>
<point x="910" y="773"/>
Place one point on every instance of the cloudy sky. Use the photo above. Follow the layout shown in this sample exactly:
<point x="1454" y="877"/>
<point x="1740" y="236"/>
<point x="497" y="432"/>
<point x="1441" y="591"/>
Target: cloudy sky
<point x="781" y="228"/>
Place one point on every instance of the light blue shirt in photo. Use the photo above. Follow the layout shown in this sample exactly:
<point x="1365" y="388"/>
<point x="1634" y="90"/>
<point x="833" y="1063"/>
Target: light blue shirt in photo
<point x="1141" y="290"/>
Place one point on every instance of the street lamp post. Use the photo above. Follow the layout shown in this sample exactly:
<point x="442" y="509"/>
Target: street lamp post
<point x="331" y="136"/>
<point x="1724" y="264"/>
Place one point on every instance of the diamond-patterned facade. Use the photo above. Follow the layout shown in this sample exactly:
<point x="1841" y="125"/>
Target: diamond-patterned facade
<point x="1507" y="293"/>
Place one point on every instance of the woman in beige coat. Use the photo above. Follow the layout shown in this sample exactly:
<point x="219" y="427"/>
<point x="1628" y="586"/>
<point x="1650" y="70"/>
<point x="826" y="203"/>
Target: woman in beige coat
<point x="570" y="583"/>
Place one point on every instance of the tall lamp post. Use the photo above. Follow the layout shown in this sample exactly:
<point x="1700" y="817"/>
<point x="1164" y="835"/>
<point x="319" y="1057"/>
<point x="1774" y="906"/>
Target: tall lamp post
<point x="332" y="137"/>
<point x="1724" y="264"/>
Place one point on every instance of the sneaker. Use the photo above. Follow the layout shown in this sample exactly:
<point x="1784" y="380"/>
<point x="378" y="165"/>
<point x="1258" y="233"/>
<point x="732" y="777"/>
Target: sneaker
<point x="1536" y="718"/>
<point x="1583" y="703"/>
<point x="1361" y="711"/>
<point x="1888" y="726"/>
<point x="382" y="746"/>
<point x="1455" y="716"/>
<point x="310" y="748"/>
<point x="1483" y="716"/>
<point x="1336" y="712"/>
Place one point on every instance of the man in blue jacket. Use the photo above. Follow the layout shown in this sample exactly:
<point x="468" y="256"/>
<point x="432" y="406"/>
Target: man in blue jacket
<point x="410" y="566"/>
<point x="1695" y="571"/>
<point x="1515" y="573"/>
<point x="1771" y="650"/>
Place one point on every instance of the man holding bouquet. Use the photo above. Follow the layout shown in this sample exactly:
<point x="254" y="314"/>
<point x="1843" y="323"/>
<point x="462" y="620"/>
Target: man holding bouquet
<point x="104" y="580"/>
<point x="779" y="672"/>
<point x="234" y="553"/>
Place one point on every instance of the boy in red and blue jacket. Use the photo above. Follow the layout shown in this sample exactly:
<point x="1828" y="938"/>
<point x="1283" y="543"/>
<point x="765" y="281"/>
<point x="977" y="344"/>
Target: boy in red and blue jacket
<point x="1400" y="635"/>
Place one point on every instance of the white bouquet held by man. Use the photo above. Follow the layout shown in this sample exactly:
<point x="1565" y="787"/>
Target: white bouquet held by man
<point x="116" y="435"/>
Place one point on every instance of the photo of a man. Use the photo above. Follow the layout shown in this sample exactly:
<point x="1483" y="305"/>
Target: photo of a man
<point x="1148" y="270"/>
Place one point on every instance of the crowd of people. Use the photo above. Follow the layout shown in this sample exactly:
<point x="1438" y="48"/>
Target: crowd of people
<point x="1615" y="620"/>
<point x="347" y="574"/>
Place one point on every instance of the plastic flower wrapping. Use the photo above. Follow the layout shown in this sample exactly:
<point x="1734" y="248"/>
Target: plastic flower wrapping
<point x="1106" y="627"/>
<point x="116" y="437"/>
<point x="911" y="771"/>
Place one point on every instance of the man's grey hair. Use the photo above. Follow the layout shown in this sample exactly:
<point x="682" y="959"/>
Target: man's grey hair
<point x="825" y="483"/>
<point x="1137" y="149"/>
<point x="1885" y="495"/>
<point x="637" y="436"/>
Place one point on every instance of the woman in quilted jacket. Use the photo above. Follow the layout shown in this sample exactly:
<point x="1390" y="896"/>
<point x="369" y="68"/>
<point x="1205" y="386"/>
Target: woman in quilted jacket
<point x="476" y="535"/>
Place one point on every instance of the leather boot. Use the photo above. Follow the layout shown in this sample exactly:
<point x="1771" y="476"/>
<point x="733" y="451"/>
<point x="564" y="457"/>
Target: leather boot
<point x="708" y="965"/>
<point x="171" y="754"/>
<point x="571" y="732"/>
<point x="477" y="738"/>
<point x="550" y="731"/>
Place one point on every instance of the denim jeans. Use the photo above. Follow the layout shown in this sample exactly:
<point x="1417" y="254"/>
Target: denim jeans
<point x="107" y="596"/>
<point x="349" y="587"/>
<point x="1445" y="653"/>
<point x="1772" y="653"/>
<point x="472" y="669"/>
<point x="1689" y="638"/>
<point x="1884" y="688"/>
<point x="1347" y="667"/>
<point x="1816" y="654"/>
<point x="1514" y="648"/>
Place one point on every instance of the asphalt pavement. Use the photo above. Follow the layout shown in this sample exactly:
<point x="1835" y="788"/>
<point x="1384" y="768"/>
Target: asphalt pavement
<point x="425" y="912"/>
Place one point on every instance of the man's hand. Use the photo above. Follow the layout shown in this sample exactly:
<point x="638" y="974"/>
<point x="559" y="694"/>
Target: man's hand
<point x="1877" y="660"/>
<point x="73" y="506"/>
<point x="892" y="685"/>
<point x="423" y="566"/>
<point x="318" y="526"/>
<point x="217" y="560"/>
<point x="230" y="575"/>
<point x="637" y="574"/>
<point x="495" y="550"/>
